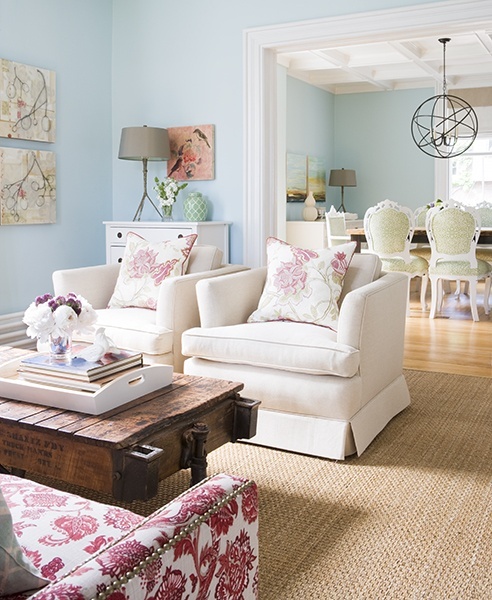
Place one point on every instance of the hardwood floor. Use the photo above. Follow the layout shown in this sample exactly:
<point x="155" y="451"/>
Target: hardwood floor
<point x="452" y="342"/>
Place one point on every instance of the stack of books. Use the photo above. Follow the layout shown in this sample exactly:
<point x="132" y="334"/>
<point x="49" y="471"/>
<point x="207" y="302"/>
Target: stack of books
<point x="79" y="374"/>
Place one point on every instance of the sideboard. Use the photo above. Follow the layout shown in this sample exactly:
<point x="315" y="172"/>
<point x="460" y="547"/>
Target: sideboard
<point x="215" y="233"/>
<point x="313" y="234"/>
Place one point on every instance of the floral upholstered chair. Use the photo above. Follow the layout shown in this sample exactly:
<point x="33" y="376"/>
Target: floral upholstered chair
<point x="389" y="230"/>
<point x="453" y="232"/>
<point x="55" y="545"/>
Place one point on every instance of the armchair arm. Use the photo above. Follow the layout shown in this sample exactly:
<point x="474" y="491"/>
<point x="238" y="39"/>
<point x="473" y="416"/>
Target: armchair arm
<point x="96" y="284"/>
<point x="372" y="319"/>
<point x="220" y="513"/>
<point x="231" y="299"/>
<point x="177" y="308"/>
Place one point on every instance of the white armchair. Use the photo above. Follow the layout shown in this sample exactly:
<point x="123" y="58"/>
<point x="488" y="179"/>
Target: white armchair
<point x="155" y="333"/>
<point x="322" y="392"/>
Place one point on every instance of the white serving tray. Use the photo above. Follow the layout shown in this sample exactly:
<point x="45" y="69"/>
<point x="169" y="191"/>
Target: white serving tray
<point x="122" y="389"/>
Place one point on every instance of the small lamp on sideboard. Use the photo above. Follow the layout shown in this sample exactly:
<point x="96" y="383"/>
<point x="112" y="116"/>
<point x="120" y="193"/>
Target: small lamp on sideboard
<point x="144" y="143"/>
<point x="342" y="178"/>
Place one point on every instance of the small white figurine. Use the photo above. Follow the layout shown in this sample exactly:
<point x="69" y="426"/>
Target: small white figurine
<point x="102" y="344"/>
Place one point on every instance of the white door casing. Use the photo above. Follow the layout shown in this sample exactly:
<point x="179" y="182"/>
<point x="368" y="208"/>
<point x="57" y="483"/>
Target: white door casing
<point x="264" y="107"/>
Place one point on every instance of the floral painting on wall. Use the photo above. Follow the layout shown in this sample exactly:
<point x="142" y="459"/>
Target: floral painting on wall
<point x="192" y="153"/>
<point x="27" y="186"/>
<point x="27" y="102"/>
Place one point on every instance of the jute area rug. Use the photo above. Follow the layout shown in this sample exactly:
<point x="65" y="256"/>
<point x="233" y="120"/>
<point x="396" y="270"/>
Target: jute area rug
<point x="410" y="519"/>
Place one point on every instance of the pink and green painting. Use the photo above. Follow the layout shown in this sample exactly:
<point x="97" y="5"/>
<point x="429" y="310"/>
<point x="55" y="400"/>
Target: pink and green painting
<point x="192" y="153"/>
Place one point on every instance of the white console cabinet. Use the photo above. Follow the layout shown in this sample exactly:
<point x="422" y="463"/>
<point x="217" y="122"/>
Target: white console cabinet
<point x="215" y="233"/>
<point x="313" y="234"/>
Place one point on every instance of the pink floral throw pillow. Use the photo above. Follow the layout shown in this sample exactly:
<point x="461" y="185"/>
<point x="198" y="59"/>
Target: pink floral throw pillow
<point x="303" y="285"/>
<point x="144" y="267"/>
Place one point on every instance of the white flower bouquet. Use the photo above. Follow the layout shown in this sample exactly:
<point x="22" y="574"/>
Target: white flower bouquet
<point x="168" y="190"/>
<point x="57" y="317"/>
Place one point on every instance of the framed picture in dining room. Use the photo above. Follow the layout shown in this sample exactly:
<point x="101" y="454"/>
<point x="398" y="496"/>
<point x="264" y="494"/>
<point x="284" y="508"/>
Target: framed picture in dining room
<point x="192" y="153"/>
<point x="317" y="177"/>
<point x="296" y="174"/>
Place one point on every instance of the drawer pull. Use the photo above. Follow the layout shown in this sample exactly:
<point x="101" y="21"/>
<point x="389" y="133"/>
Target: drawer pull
<point x="120" y="260"/>
<point x="119" y="235"/>
<point x="180" y="236"/>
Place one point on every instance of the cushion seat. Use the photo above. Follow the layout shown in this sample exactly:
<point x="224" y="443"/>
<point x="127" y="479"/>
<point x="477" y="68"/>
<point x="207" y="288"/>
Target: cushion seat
<point x="133" y="328"/>
<point x="460" y="268"/>
<point x="417" y="264"/>
<point x="288" y="346"/>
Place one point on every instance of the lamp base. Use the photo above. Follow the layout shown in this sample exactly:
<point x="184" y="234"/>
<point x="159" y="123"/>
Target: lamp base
<point x="138" y="214"/>
<point x="342" y="205"/>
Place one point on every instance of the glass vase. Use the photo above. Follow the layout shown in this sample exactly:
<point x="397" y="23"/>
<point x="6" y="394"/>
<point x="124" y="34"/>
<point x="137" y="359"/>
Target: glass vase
<point x="61" y="348"/>
<point x="167" y="212"/>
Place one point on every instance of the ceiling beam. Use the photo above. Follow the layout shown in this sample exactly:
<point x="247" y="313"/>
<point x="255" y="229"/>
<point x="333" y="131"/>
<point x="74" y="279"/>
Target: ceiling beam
<point x="334" y="57"/>
<point x="484" y="39"/>
<point x="409" y="50"/>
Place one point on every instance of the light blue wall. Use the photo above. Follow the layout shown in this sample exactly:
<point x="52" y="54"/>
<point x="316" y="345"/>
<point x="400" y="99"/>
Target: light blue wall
<point x="181" y="63"/>
<point x="74" y="39"/>
<point x="369" y="133"/>
<point x="309" y="129"/>
<point x="372" y="136"/>
<point x="128" y="62"/>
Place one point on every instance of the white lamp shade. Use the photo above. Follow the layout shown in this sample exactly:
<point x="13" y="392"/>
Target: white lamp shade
<point x="138" y="143"/>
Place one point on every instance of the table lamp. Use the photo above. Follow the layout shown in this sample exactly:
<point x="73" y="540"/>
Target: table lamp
<point x="342" y="178"/>
<point x="144" y="143"/>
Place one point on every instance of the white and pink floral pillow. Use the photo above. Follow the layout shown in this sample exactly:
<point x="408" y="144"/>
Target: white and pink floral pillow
<point x="144" y="267"/>
<point x="303" y="285"/>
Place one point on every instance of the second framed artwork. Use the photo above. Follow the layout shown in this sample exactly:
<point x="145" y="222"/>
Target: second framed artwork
<point x="192" y="153"/>
<point x="27" y="186"/>
<point x="305" y="174"/>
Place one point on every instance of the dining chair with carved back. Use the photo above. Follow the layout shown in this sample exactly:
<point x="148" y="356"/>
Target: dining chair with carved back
<point x="389" y="229"/>
<point x="453" y="231"/>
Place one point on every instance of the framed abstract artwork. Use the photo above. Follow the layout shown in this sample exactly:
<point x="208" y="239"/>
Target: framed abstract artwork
<point x="27" y="186"/>
<point x="317" y="177"/>
<point x="192" y="153"/>
<point x="296" y="177"/>
<point x="27" y="102"/>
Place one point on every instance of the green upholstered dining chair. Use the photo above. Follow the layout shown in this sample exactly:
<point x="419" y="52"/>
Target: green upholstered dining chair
<point x="453" y="231"/>
<point x="484" y="209"/>
<point x="389" y="229"/>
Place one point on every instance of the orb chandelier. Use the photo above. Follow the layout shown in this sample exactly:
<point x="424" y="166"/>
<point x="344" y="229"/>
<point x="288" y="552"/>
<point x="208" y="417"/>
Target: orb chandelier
<point x="444" y="126"/>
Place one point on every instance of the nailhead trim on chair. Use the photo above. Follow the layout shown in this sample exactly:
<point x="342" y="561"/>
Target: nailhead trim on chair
<point x="158" y="552"/>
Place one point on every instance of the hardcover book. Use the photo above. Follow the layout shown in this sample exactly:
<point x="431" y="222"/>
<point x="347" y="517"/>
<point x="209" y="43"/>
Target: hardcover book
<point x="72" y="383"/>
<point x="81" y="369"/>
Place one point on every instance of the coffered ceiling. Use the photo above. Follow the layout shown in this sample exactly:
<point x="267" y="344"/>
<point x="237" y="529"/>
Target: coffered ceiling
<point x="396" y="65"/>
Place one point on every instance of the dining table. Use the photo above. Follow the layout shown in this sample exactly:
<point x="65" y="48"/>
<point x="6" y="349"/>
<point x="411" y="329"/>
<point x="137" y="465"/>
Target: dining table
<point x="358" y="236"/>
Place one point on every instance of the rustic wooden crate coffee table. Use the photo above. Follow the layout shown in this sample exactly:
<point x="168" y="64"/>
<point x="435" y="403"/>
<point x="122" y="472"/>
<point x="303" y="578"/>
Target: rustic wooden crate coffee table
<point x="128" y="450"/>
